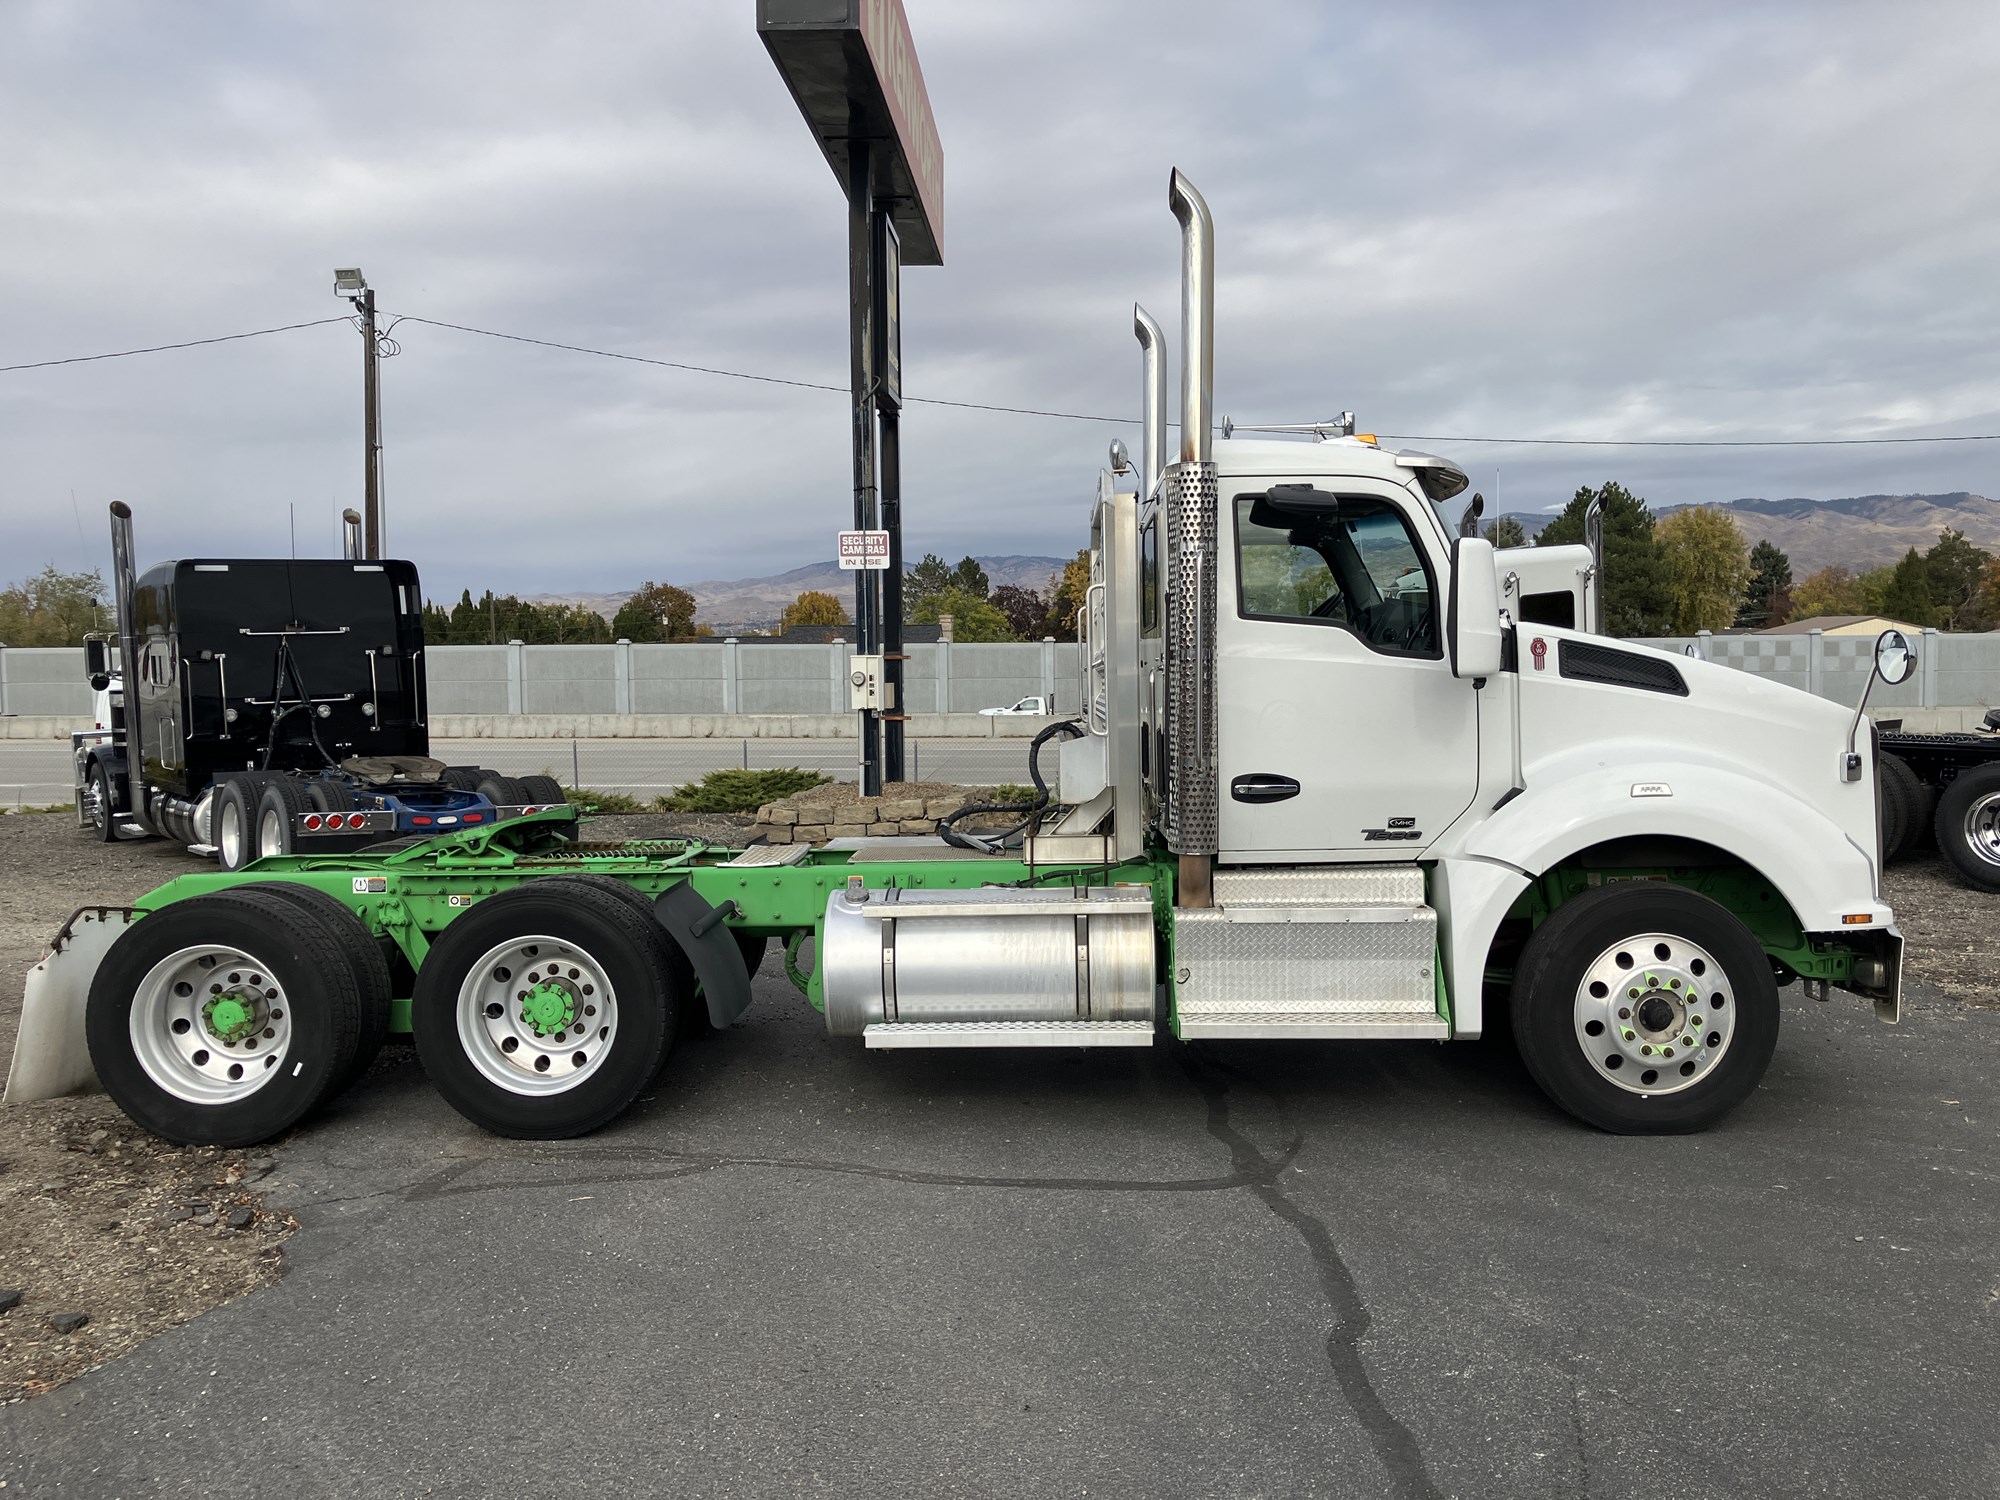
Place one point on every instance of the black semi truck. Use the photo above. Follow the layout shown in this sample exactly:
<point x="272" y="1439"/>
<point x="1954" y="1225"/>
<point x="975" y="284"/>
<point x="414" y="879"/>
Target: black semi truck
<point x="270" y="706"/>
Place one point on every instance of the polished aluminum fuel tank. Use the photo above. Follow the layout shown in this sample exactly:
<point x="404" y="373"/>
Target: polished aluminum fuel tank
<point x="994" y="954"/>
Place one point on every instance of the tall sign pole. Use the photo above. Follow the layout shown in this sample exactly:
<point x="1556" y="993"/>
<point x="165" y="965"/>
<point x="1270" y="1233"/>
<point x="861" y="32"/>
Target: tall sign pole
<point x="852" y="69"/>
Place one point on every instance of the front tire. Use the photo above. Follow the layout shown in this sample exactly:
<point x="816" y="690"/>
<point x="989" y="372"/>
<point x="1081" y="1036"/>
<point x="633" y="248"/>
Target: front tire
<point x="1968" y="826"/>
<point x="1644" y="1008"/>
<point x="103" y="817"/>
<point x="545" y="1010"/>
<point x="222" y="1020"/>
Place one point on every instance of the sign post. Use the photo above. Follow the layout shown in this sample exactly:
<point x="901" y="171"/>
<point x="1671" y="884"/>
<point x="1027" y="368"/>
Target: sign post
<point x="852" y="69"/>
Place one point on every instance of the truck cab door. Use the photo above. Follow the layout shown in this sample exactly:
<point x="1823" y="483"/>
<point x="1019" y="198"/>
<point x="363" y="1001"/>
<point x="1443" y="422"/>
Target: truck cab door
<point x="1341" y="732"/>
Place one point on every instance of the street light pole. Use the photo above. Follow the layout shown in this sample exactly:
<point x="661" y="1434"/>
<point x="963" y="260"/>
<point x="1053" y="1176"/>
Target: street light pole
<point x="350" y="283"/>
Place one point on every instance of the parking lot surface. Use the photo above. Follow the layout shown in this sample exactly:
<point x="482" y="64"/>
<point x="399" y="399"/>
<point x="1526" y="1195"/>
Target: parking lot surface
<point x="800" y="1268"/>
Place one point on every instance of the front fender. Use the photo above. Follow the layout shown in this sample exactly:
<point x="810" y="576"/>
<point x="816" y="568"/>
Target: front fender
<point x="1575" y="802"/>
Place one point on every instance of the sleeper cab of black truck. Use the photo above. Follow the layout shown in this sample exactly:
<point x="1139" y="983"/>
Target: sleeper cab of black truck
<point x="328" y="650"/>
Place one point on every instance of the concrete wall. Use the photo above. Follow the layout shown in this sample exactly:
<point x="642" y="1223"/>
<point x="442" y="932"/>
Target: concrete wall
<point x="716" y="678"/>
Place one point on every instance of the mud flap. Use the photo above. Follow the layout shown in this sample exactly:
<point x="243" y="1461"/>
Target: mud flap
<point x="51" y="1057"/>
<point x="705" y="938"/>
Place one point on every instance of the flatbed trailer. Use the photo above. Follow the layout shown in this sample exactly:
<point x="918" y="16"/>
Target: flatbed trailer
<point x="1343" y="773"/>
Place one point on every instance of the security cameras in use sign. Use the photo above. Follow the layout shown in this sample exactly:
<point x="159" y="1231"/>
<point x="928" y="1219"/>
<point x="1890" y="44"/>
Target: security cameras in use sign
<point x="864" y="549"/>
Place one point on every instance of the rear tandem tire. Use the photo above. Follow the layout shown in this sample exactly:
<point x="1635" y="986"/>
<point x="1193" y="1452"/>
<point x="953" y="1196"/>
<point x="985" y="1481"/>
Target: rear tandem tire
<point x="502" y="791"/>
<point x="1968" y="826"/>
<point x="464" y="778"/>
<point x="235" y="821"/>
<point x="543" y="791"/>
<point x="325" y="796"/>
<point x="364" y="956"/>
<point x="604" y="1017"/>
<point x="279" y="806"/>
<point x="1645" y="1009"/>
<point x="1892" y="791"/>
<point x="154" y="1040"/>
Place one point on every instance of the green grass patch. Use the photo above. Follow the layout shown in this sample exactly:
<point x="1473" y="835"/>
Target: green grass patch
<point x="740" y="791"/>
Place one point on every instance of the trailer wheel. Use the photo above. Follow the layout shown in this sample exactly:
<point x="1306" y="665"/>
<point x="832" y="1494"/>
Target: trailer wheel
<point x="235" y="822"/>
<point x="1968" y="826"/>
<point x="545" y="1010"/>
<point x="280" y="803"/>
<point x="221" y="1020"/>
<point x="101" y="806"/>
<point x="370" y="965"/>
<point x="1906" y="809"/>
<point x="1645" y="1009"/>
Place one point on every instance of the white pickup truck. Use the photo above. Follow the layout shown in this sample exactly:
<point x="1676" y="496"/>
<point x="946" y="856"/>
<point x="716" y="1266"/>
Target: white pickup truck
<point x="1037" y="706"/>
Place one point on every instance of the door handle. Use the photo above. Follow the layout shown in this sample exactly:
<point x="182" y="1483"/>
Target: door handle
<point x="1261" y="786"/>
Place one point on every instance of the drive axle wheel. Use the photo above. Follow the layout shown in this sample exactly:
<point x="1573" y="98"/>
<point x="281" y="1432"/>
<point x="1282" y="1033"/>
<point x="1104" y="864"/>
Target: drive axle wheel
<point x="1642" y="1007"/>
<point x="221" y="1020"/>
<point x="1968" y="826"/>
<point x="543" y="1011"/>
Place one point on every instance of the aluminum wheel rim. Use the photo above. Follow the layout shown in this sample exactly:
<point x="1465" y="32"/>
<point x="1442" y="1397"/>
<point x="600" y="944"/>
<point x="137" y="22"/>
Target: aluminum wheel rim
<point x="271" y="833"/>
<point x="210" y="1024"/>
<point x="1982" y="828"/>
<point x="229" y="834"/>
<point x="537" y="1016"/>
<point x="93" y="803"/>
<point x="1655" y="1013"/>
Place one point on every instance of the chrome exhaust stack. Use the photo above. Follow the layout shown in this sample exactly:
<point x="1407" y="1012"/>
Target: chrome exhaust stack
<point x="1153" y="436"/>
<point x="124" y="584"/>
<point x="1189" y="501"/>
<point x="1593" y="538"/>
<point x="350" y="535"/>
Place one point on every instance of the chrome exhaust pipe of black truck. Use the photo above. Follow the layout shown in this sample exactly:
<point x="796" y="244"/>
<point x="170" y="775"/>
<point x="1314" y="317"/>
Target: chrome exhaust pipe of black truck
<point x="1190" y="504"/>
<point x="1153" y="436"/>
<point x="350" y="533"/>
<point x="124" y="584"/>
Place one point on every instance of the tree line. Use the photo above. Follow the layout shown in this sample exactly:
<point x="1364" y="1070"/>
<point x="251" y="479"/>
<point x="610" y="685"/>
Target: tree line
<point x="1693" y="570"/>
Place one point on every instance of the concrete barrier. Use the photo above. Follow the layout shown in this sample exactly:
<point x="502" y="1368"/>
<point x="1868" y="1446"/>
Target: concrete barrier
<point x="41" y="726"/>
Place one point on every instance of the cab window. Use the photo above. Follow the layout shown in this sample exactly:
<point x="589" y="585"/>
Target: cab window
<point x="1349" y="561"/>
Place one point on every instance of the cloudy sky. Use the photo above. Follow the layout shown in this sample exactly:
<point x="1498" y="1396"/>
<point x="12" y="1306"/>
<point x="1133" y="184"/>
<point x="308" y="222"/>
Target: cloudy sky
<point x="1458" y="220"/>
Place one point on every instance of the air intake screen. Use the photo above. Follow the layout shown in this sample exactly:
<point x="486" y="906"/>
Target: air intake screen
<point x="1587" y="662"/>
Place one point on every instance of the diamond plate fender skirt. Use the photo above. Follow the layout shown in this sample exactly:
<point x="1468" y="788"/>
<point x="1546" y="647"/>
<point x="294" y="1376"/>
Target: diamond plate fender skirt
<point x="705" y="938"/>
<point x="51" y="1057"/>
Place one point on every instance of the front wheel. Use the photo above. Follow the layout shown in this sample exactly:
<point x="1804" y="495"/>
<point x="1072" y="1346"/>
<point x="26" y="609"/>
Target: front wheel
<point x="1644" y="1008"/>
<point x="1968" y="826"/>
<point x="545" y="1010"/>
<point x="103" y="815"/>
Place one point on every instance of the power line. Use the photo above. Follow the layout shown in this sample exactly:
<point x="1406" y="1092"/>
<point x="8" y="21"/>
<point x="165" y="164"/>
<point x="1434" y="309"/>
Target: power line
<point x="1020" y="411"/>
<point x="223" y="338"/>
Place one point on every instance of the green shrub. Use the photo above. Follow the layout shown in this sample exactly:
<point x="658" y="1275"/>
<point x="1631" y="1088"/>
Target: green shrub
<point x="1009" y="795"/>
<point x="603" y="802"/>
<point x="740" y="791"/>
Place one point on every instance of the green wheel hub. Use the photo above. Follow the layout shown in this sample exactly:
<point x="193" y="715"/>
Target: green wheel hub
<point x="548" y="1008"/>
<point x="230" y="1018"/>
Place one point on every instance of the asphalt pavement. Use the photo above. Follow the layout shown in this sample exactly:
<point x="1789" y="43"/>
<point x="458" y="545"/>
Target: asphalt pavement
<point x="1361" y="1269"/>
<point x="36" y="773"/>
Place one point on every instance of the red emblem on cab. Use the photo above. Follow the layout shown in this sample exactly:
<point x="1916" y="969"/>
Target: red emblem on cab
<point x="1540" y="651"/>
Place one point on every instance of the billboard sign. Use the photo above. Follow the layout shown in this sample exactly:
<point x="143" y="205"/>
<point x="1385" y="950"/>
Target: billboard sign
<point x="853" y="70"/>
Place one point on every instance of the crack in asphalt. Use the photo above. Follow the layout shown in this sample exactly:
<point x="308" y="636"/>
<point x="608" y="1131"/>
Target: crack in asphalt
<point x="1394" y="1444"/>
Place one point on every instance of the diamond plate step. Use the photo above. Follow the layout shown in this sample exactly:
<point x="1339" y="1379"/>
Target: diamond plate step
<point x="1320" y="885"/>
<point x="1009" y="1034"/>
<point x="1278" y="1025"/>
<point x="1325" y="962"/>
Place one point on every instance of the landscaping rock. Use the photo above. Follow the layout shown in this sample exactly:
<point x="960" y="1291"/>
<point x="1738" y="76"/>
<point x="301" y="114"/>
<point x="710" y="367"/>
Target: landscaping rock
<point x="68" y="1322"/>
<point x="10" y="1298"/>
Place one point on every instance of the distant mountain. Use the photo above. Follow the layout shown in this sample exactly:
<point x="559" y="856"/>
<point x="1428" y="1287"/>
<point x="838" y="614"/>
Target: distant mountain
<point x="1860" y="532"/>
<point x="757" y="603"/>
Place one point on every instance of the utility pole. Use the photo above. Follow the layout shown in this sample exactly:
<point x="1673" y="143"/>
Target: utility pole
<point x="350" y="283"/>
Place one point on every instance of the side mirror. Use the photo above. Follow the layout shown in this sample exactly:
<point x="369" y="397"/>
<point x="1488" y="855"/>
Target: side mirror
<point x="1472" y="619"/>
<point x="96" y="661"/>
<point x="1895" y="660"/>
<point x="1895" y="657"/>
<point x="1468" y="521"/>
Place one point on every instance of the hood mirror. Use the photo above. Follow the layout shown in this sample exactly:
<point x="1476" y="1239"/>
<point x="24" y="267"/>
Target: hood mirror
<point x="1895" y="658"/>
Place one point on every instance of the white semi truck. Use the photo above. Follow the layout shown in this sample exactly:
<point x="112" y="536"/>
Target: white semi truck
<point x="1342" y="774"/>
